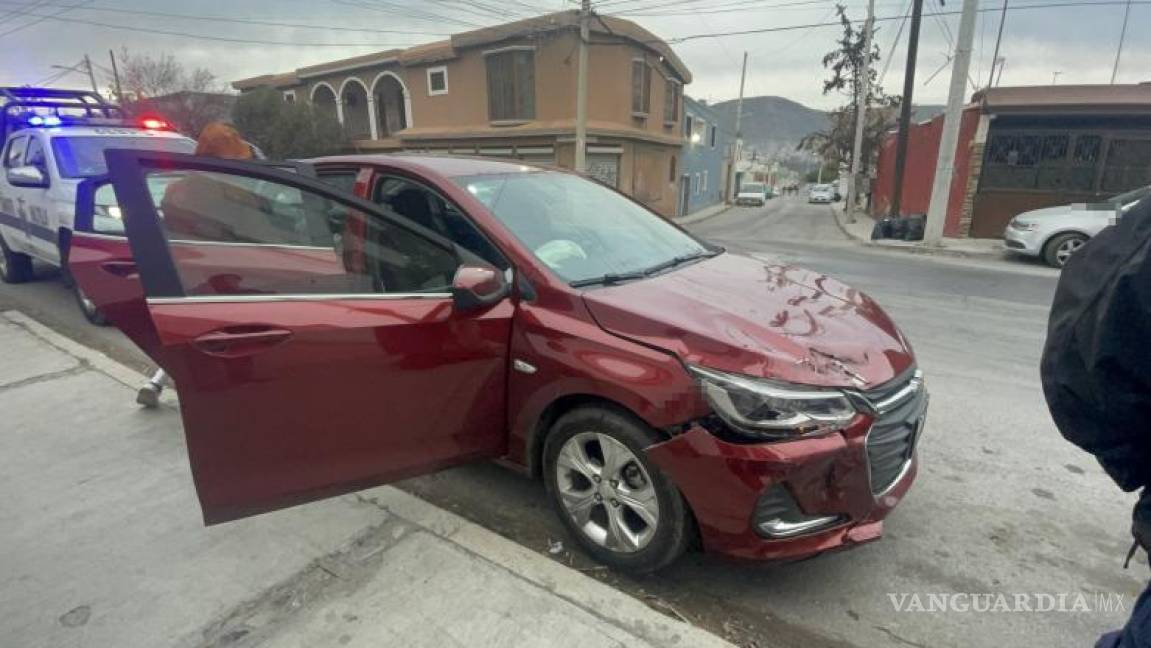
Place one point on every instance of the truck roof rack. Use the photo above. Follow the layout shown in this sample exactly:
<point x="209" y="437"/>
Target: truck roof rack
<point x="20" y="103"/>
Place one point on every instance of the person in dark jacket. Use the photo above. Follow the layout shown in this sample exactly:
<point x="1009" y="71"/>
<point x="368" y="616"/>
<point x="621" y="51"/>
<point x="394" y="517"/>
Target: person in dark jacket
<point x="1096" y="373"/>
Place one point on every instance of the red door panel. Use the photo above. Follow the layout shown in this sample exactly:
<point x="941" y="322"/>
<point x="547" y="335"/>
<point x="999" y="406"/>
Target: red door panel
<point x="362" y="392"/>
<point x="105" y="270"/>
<point x="298" y="377"/>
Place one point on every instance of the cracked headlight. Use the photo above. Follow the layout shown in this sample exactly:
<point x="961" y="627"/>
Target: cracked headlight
<point x="774" y="410"/>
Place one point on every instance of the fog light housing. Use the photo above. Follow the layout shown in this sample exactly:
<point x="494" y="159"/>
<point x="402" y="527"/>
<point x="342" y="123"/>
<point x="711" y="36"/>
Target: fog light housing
<point x="777" y="516"/>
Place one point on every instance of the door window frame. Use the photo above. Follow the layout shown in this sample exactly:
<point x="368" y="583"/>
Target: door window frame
<point x="159" y="276"/>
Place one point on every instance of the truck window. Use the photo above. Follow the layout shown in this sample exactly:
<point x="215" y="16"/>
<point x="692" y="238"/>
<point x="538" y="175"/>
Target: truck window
<point x="35" y="155"/>
<point x="14" y="156"/>
<point x="83" y="156"/>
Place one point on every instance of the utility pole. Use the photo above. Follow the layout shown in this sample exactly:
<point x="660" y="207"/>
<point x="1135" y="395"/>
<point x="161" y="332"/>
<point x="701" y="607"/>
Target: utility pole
<point x="905" y="109"/>
<point x="1122" y="36"/>
<point x="863" y="88"/>
<point x="998" y="40"/>
<point x="737" y="148"/>
<point x="949" y="138"/>
<point x="91" y="75"/>
<point x="116" y="78"/>
<point x="1055" y="77"/>
<point x="581" y="89"/>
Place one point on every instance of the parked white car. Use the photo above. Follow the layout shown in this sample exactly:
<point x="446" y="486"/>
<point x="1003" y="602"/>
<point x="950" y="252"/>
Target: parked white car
<point x="1055" y="233"/>
<point x="752" y="193"/>
<point x="821" y="195"/>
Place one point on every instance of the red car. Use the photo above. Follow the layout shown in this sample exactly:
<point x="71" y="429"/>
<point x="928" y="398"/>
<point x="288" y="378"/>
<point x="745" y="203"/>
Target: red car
<point x="362" y="319"/>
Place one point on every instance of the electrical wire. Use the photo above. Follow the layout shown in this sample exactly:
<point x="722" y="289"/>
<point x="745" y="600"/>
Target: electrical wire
<point x="240" y="21"/>
<point x="247" y="41"/>
<point x="768" y="30"/>
<point x="41" y="19"/>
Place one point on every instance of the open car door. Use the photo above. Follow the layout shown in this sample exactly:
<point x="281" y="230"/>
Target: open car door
<point x="320" y="343"/>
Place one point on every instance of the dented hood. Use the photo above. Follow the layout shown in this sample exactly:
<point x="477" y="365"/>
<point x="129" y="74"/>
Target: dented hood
<point x="745" y="316"/>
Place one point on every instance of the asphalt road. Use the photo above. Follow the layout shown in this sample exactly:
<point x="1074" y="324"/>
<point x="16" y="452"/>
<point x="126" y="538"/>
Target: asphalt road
<point x="1002" y="504"/>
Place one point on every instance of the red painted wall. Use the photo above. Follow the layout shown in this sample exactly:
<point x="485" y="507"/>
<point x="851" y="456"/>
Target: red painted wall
<point x="922" y="151"/>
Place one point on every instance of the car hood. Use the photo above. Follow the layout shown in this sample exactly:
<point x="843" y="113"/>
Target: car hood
<point x="741" y="315"/>
<point x="1064" y="211"/>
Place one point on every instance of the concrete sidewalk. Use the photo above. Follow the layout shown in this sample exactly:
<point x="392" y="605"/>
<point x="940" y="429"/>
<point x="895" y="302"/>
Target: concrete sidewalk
<point x="860" y="231"/>
<point x="103" y="545"/>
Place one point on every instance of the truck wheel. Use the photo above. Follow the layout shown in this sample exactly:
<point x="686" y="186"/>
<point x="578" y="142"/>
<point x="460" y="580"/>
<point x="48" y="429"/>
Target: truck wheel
<point x="87" y="306"/>
<point x="619" y="506"/>
<point x="15" y="267"/>
<point x="1059" y="249"/>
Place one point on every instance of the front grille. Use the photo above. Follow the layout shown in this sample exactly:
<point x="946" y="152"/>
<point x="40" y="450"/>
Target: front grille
<point x="1015" y="245"/>
<point x="891" y="441"/>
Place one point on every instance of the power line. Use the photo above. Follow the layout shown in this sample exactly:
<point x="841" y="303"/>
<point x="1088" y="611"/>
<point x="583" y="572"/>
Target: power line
<point x="766" y="30"/>
<point x="225" y="39"/>
<point x="408" y="12"/>
<point x="735" y="7"/>
<point x="241" y="21"/>
<point x="41" y="18"/>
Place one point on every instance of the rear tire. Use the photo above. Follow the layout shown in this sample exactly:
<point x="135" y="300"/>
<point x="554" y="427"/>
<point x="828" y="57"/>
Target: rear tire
<point x="15" y="267"/>
<point x="632" y="517"/>
<point x="1060" y="248"/>
<point x="87" y="307"/>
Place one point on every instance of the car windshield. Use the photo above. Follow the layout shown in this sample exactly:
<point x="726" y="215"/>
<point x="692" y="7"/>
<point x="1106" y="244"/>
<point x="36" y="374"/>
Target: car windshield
<point x="751" y="188"/>
<point x="581" y="229"/>
<point x="1129" y="197"/>
<point x="83" y="157"/>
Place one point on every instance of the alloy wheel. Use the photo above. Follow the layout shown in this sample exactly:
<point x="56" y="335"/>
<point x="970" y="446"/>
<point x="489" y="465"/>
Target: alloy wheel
<point x="1066" y="249"/>
<point x="607" y="492"/>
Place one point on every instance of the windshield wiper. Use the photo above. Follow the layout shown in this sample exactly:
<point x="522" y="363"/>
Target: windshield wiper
<point x="608" y="279"/>
<point x="680" y="260"/>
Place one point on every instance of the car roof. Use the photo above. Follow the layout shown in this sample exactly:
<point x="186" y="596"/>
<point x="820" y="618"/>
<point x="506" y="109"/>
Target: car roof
<point x="444" y="165"/>
<point x="104" y="131"/>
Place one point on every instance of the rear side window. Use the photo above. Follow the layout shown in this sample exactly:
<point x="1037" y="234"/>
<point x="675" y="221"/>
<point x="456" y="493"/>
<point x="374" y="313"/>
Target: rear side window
<point x="231" y="234"/>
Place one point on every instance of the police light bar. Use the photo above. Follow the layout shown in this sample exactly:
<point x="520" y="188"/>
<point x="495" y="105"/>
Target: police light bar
<point x="152" y="123"/>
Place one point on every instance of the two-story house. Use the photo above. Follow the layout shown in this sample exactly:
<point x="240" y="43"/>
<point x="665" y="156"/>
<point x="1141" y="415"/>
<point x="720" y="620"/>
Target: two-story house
<point x="706" y="166"/>
<point x="510" y="90"/>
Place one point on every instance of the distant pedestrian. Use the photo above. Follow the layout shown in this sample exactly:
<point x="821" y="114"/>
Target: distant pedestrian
<point x="217" y="140"/>
<point x="1096" y="374"/>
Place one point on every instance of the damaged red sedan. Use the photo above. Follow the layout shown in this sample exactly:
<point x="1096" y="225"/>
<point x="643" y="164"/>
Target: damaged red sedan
<point x="352" y="321"/>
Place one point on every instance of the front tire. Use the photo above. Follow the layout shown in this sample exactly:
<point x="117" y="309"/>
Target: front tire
<point x="617" y="504"/>
<point x="15" y="267"/>
<point x="1060" y="248"/>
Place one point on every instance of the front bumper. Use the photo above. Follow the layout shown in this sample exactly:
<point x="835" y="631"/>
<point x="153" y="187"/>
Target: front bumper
<point x="1028" y="242"/>
<point x="847" y="478"/>
<point x="757" y="202"/>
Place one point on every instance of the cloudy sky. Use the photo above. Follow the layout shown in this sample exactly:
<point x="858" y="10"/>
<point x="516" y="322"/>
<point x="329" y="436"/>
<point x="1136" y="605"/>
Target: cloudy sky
<point x="1074" y="44"/>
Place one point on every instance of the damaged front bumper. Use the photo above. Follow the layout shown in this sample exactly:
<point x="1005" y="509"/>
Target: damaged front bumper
<point x="793" y="499"/>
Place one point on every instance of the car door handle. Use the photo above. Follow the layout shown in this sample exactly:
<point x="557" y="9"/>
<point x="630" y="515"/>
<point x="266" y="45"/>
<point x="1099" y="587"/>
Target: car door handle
<point x="237" y="341"/>
<point x="123" y="269"/>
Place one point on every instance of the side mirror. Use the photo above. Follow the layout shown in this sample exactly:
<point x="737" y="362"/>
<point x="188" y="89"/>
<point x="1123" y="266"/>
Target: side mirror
<point x="476" y="287"/>
<point x="27" y="176"/>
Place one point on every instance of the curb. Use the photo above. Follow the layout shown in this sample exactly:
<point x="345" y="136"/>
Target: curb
<point x="914" y="249"/>
<point x="697" y="217"/>
<point x="612" y="606"/>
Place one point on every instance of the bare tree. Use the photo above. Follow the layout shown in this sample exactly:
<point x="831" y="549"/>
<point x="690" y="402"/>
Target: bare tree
<point x="161" y="85"/>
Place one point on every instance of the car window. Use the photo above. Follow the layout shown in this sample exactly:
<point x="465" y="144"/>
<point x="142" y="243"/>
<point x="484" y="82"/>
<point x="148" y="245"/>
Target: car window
<point x="83" y="156"/>
<point x="428" y="209"/>
<point x="1133" y="196"/>
<point x="14" y="156"/>
<point x="234" y="235"/>
<point x="35" y="155"/>
<point x="580" y="229"/>
<point x="343" y="179"/>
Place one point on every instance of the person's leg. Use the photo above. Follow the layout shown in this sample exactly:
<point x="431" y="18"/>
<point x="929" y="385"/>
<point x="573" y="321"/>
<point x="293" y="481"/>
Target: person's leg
<point x="1137" y="632"/>
<point x="149" y="394"/>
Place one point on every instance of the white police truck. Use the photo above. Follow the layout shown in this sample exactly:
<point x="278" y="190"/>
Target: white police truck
<point x="53" y="140"/>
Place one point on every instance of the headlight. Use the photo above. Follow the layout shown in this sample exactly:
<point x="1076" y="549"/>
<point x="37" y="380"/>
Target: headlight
<point x="1023" y="226"/>
<point x="774" y="410"/>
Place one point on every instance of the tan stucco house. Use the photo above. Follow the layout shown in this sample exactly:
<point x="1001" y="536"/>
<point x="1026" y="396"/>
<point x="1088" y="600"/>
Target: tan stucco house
<point x="510" y="90"/>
